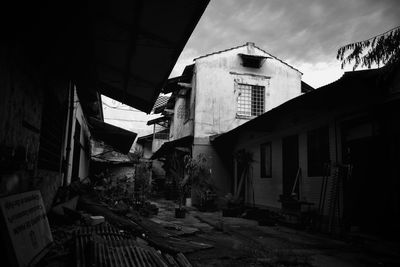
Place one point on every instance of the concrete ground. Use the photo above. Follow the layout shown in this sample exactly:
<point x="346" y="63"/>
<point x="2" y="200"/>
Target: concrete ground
<point x="242" y="242"/>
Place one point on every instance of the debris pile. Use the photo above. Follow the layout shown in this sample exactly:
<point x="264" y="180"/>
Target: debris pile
<point x="105" y="226"/>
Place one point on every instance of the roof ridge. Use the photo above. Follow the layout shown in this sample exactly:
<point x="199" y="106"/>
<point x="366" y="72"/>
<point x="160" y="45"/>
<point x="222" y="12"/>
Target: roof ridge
<point x="220" y="51"/>
<point x="278" y="59"/>
<point x="235" y="47"/>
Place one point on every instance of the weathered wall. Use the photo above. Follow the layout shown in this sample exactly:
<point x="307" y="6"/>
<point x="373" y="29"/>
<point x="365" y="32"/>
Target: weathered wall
<point x="182" y="121"/>
<point x="215" y="93"/>
<point x="217" y="77"/>
<point x="20" y="112"/>
<point x="218" y="172"/>
<point x="21" y="105"/>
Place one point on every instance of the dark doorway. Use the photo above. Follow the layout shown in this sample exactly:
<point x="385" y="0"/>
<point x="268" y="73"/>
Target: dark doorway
<point x="240" y="169"/>
<point x="364" y="199"/>
<point x="290" y="165"/>
<point x="77" y="152"/>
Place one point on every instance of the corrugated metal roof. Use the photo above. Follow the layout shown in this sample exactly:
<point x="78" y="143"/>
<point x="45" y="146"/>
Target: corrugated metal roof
<point x="105" y="245"/>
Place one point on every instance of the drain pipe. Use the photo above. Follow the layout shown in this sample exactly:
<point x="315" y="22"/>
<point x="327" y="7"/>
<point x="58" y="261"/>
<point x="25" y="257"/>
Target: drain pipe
<point x="69" y="134"/>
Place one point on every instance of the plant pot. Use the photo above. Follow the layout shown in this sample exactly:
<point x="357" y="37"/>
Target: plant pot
<point x="180" y="213"/>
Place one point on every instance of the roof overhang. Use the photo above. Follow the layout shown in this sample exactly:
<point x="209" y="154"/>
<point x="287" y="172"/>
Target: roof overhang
<point x="306" y="88"/>
<point x="160" y="120"/>
<point x="119" y="139"/>
<point x="145" y="138"/>
<point x="184" y="142"/>
<point x="365" y="87"/>
<point x="137" y="44"/>
<point x="126" y="49"/>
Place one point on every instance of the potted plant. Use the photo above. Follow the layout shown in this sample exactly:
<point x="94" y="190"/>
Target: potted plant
<point x="199" y="181"/>
<point x="178" y="179"/>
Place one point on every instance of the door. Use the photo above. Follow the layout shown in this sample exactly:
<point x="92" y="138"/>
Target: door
<point x="365" y="191"/>
<point x="290" y="165"/>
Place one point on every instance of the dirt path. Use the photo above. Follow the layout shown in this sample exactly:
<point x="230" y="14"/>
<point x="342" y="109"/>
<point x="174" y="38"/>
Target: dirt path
<point x="241" y="242"/>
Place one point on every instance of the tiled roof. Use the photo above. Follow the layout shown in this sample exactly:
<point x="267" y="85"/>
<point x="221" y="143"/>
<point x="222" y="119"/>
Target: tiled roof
<point x="161" y="101"/>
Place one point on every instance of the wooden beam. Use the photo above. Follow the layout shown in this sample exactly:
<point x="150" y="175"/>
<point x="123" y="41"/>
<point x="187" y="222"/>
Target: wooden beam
<point x="185" y="85"/>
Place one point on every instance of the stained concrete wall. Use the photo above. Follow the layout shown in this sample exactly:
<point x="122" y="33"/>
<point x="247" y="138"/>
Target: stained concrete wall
<point x="21" y="104"/>
<point x="183" y="125"/>
<point x="217" y="77"/>
<point x="220" y="175"/>
<point x="214" y="95"/>
<point x="216" y="98"/>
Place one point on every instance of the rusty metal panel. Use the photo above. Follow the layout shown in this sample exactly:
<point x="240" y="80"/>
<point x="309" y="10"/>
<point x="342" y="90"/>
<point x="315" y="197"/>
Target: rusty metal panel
<point x="105" y="245"/>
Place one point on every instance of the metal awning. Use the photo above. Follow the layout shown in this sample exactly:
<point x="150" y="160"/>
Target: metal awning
<point x="158" y="120"/>
<point x="137" y="44"/>
<point x="173" y="83"/>
<point x="119" y="139"/>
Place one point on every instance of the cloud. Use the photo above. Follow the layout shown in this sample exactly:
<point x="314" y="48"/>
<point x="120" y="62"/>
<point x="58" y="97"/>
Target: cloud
<point x="297" y="31"/>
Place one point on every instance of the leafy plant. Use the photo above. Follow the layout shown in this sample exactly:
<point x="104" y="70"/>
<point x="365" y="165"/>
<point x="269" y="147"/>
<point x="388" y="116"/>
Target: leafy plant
<point x="176" y="172"/>
<point x="381" y="50"/>
<point x="197" y="175"/>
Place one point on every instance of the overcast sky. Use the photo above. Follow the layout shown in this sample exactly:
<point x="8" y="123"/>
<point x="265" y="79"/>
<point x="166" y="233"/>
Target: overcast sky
<point x="303" y="33"/>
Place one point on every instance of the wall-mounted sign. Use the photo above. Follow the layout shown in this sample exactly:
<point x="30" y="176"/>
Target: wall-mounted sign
<point x="24" y="216"/>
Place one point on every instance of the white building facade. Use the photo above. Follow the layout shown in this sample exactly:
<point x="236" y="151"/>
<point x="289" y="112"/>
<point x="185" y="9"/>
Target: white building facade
<point x="223" y="90"/>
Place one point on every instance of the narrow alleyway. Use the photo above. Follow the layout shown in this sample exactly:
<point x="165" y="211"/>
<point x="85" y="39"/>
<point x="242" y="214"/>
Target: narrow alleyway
<point x="242" y="242"/>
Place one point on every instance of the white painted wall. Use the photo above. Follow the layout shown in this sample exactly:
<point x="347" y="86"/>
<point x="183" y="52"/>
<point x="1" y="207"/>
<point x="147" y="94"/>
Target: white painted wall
<point x="181" y="127"/>
<point x="216" y="93"/>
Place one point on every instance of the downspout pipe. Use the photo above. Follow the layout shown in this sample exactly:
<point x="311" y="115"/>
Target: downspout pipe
<point x="69" y="134"/>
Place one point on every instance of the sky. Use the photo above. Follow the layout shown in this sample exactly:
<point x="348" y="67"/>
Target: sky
<point x="304" y="33"/>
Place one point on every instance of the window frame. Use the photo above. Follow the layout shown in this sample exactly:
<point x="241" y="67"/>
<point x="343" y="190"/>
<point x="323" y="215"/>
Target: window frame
<point x="265" y="169"/>
<point x="246" y="106"/>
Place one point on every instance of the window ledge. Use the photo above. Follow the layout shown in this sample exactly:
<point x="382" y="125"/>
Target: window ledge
<point x="245" y="117"/>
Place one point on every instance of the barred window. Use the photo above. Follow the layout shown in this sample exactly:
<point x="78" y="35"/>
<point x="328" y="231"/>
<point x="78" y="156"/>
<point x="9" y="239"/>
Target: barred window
<point x="250" y="100"/>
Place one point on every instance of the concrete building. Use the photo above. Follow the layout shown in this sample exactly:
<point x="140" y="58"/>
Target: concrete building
<point x="221" y="91"/>
<point x="334" y="151"/>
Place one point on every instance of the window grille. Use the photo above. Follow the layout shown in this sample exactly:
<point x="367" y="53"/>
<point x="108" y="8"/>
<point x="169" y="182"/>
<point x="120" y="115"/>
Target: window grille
<point x="250" y="100"/>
